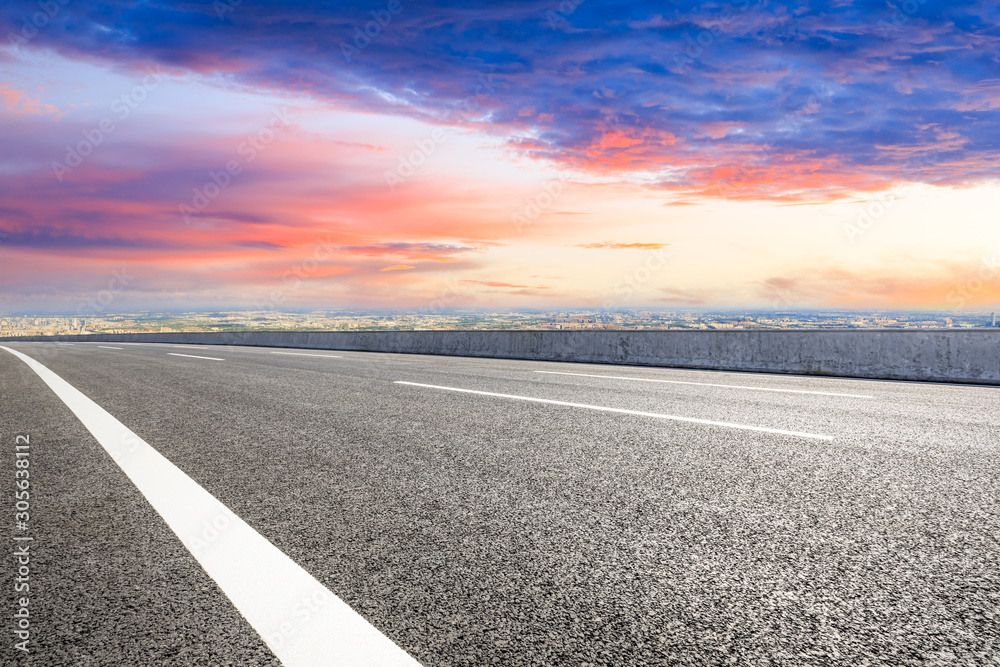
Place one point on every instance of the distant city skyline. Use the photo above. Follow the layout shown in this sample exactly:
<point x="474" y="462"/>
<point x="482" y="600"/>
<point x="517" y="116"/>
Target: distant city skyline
<point x="45" y="325"/>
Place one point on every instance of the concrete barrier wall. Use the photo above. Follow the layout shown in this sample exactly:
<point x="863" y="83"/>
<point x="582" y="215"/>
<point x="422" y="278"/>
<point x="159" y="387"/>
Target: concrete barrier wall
<point x="945" y="355"/>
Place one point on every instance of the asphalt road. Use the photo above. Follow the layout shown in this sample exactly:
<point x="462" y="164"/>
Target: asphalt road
<point x="484" y="529"/>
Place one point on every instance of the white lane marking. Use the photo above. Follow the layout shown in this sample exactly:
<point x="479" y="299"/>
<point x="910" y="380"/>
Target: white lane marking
<point x="656" y="415"/>
<point x="191" y="356"/>
<point x="108" y="347"/>
<point x="116" y="342"/>
<point x="707" y="384"/>
<point x="301" y="621"/>
<point x="192" y="347"/>
<point x="307" y="354"/>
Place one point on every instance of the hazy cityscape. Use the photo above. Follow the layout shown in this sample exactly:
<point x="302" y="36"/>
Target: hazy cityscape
<point x="147" y="322"/>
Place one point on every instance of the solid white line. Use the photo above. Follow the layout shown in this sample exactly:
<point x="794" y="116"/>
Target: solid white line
<point x="301" y="621"/>
<point x="707" y="384"/>
<point x="656" y="415"/>
<point x="108" y="347"/>
<point x="306" y="354"/>
<point x="191" y="356"/>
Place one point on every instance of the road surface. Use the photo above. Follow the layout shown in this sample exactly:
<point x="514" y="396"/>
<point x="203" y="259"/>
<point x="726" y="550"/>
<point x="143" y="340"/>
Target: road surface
<point x="494" y="512"/>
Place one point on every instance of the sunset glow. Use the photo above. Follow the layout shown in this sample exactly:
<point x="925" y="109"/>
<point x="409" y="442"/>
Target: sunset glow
<point x="512" y="155"/>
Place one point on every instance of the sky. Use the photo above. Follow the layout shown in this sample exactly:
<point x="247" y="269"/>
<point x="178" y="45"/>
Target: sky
<point x="390" y="154"/>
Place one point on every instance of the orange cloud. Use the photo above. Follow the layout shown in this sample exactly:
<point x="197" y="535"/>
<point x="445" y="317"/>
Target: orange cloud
<point x="781" y="180"/>
<point x="624" y="246"/>
<point x="614" y="149"/>
<point x="434" y="252"/>
<point x="488" y="283"/>
<point x="398" y="267"/>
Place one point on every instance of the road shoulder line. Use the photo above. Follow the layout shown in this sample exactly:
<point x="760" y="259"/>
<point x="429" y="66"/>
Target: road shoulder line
<point x="301" y="621"/>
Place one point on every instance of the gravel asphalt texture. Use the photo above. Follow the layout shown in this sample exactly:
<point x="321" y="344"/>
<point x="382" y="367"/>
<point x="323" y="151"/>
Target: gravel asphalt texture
<point x="476" y="530"/>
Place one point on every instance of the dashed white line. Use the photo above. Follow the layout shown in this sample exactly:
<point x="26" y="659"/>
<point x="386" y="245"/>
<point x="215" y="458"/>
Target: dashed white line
<point x="623" y="411"/>
<point x="707" y="384"/>
<point x="191" y="347"/>
<point x="191" y="356"/>
<point x="307" y="354"/>
<point x="301" y="621"/>
<point x="108" y="347"/>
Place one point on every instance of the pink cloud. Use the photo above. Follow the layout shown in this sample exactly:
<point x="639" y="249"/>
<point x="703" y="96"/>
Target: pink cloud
<point x="17" y="102"/>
